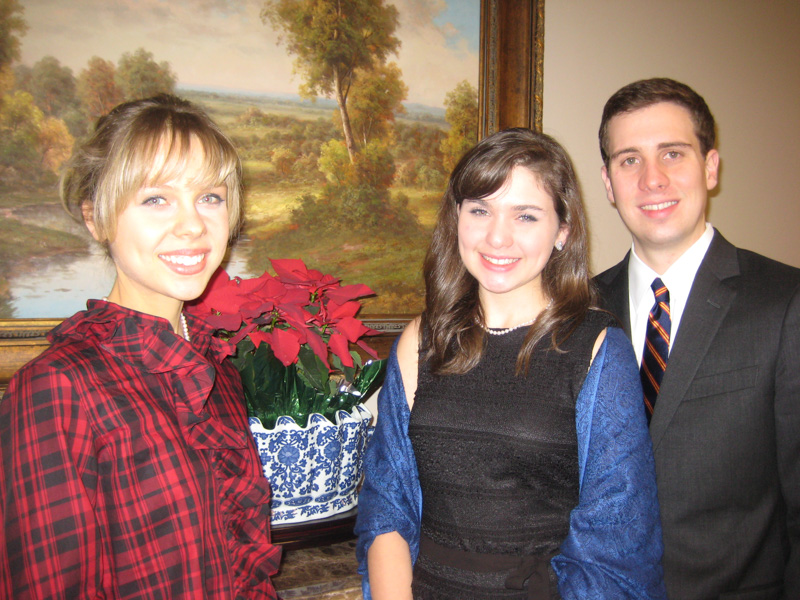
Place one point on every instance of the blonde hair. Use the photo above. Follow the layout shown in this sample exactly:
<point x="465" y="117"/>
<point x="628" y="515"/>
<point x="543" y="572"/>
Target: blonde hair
<point x="147" y="142"/>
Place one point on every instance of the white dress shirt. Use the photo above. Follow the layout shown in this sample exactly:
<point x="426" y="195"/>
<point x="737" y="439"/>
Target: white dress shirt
<point x="678" y="279"/>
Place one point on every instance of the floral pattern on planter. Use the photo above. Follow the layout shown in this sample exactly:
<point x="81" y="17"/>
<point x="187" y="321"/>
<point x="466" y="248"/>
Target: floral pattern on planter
<point x="314" y="471"/>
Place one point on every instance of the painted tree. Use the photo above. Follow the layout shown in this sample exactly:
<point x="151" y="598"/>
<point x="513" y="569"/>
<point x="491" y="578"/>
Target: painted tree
<point x="333" y="162"/>
<point x="461" y="112"/>
<point x="283" y="159"/>
<point x="12" y="26"/>
<point x="53" y="86"/>
<point x="55" y="143"/>
<point x="22" y="77"/>
<point x="332" y="39"/>
<point x="376" y="100"/>
<point x="20" y="121"/>
<point x="97" y="90"/>
<point x="139" y="76"/>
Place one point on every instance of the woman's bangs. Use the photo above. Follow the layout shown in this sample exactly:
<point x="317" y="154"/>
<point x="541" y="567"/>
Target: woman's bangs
<point x="483" y="178"/>
<point x="168" y="157"/>
<point x="480" y="185"/>
<point x="221" y="161"/>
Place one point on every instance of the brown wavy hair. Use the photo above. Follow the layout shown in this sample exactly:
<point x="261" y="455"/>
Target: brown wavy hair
<point x="451" y="340"/>
<point x="143" y="142"/>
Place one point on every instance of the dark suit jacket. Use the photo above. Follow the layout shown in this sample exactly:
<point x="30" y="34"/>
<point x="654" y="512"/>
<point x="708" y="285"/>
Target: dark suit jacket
<point x="726" y="428"/>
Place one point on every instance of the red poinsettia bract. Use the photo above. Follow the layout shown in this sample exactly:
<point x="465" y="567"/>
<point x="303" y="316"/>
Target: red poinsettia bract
<point x="297" y="306"/>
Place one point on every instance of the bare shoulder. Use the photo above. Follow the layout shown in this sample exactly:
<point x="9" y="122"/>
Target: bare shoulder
<point x="408" y="358"/>
<point x="598" y="342"/>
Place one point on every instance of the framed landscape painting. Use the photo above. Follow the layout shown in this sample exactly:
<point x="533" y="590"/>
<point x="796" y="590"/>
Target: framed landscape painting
<point x="236" y="59"/>
<point x="345" y="159"/>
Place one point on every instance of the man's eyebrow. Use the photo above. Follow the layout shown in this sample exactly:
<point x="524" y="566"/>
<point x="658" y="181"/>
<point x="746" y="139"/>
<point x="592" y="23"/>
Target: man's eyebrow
<point x="661" y="146"/>
<point x="664" y="145"/>
<point x="622" y="151"/>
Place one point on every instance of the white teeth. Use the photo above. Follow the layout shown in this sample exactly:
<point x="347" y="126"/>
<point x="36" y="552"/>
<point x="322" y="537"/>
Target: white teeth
<point x="499" y="261"/>
<point x="186" y="261"/>
<point x="660" y="206"/>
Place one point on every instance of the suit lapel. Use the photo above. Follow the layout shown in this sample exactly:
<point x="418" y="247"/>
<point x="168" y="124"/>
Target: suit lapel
<point x="709" y="301"/>
<point x="615" y="294"/>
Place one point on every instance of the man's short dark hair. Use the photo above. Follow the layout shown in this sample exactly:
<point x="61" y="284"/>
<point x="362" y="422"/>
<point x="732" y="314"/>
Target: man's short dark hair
<point x="646" y="92"/>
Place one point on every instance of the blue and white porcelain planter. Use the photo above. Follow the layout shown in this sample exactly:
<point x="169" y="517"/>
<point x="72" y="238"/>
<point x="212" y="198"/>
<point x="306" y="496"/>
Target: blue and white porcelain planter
<point x="314" y="471"/>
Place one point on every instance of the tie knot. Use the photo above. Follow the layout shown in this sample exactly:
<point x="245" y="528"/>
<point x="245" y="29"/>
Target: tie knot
<point x="660" y="290"/>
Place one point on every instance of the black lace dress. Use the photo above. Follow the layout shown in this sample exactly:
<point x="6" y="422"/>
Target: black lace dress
<point x="497" y="456"/>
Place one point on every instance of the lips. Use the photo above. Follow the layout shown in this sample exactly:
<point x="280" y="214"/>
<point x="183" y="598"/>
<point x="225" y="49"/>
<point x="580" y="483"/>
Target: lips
<point x="185" y="263"/>
<point x="500" y="262"/>
<point x="659" y="206"/>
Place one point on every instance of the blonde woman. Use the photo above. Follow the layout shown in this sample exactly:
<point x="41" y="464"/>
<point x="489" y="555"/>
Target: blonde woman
<point x="127" y="468"/>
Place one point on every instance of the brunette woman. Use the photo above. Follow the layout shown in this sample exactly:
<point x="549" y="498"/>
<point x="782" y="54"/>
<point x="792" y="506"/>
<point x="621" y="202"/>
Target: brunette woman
<point x="511" y="457"/>
<point x="126" y="465"/>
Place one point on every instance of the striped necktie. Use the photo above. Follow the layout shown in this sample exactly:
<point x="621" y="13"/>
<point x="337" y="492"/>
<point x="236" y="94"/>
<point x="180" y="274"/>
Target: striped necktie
<point x="656" y="346"/>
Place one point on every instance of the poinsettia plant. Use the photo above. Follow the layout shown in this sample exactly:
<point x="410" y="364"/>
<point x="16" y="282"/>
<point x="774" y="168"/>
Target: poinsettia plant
<point x="293" y="332"/>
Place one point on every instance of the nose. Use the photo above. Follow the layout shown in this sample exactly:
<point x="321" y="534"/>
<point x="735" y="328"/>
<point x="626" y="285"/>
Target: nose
<point x="189" y="222"/>
<point x="499" y="234"/>
<point x="654" y="177"/>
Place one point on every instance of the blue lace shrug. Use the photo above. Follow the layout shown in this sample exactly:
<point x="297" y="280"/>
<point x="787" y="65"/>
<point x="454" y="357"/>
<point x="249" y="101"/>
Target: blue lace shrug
<point x="613" y="549"/>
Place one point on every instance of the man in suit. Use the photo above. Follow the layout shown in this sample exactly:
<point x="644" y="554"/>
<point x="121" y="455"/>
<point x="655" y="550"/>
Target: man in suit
<point x="721" y="353"/>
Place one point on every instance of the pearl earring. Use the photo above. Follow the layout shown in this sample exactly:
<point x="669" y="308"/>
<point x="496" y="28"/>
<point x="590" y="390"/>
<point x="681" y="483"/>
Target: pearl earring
<point x="559" y="245"/>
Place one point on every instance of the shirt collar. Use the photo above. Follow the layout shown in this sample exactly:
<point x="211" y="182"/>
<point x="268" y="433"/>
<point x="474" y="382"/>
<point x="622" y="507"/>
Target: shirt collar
<point x="678" y="278"/>
<point x="148" y="343"/>
<point x="129" y="332"/>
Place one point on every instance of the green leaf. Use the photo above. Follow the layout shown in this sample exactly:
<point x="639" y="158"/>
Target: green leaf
<point x="332" y="388"/>
<point x="244" y="353"/>
<point x="272" y="389"/>
<point x="247" y="374"/>
<point x="370" y="377"/>
<point x="312" y="369"/>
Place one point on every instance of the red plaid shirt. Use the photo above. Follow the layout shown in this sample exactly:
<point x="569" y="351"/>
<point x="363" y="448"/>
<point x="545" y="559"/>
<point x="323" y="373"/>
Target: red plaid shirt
<point x="127" y="469"/>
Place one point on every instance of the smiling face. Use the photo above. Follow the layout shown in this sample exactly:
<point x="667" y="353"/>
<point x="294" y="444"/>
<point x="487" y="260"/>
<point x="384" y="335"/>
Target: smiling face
<point x="170" y="238"/>
<point x="658" y="179"/>
<point x="506" y="239"/>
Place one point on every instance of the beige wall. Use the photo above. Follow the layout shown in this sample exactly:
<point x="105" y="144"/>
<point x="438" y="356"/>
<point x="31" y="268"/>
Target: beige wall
<point x="743" y="56"/>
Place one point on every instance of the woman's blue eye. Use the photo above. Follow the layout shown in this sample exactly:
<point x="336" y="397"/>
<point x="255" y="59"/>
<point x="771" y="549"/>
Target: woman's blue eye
<point x="154" y="200"/>
<point x="212" y="199"/>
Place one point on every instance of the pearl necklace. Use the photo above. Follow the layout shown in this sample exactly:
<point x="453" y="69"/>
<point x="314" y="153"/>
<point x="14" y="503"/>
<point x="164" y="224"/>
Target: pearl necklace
<point x="510" y="329"/>
<point x="185" y="328"/>
<point x="507" y="330"/>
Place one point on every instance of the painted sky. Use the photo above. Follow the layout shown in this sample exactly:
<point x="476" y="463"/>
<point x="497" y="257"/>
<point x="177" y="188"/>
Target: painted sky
<point x="223" y="44"/>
